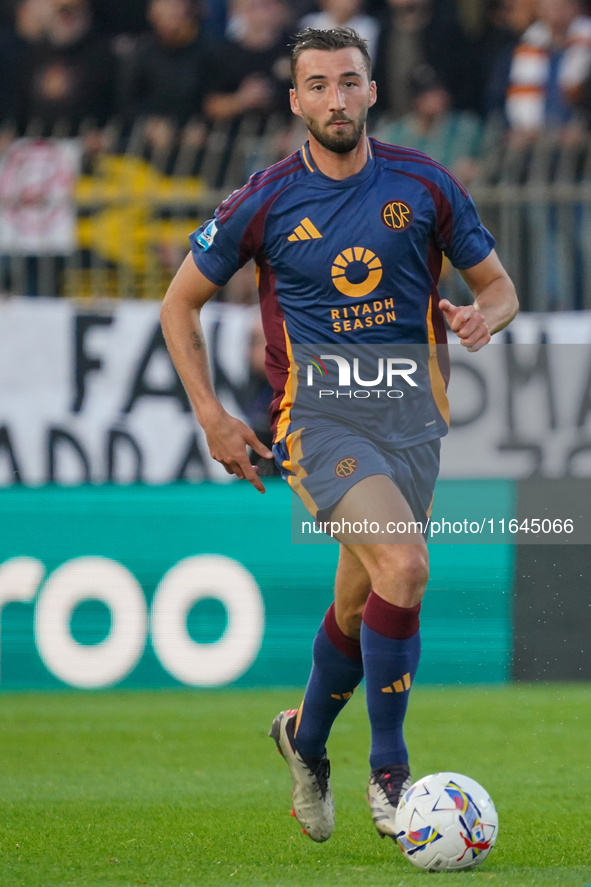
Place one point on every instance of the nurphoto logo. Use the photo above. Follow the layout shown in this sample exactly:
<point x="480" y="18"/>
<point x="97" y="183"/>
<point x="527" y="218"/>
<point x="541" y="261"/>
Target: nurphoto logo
<point x="389" y="370"/>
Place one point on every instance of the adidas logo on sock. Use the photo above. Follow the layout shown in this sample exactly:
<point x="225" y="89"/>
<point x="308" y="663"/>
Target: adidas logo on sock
<point x="399" y="686"/>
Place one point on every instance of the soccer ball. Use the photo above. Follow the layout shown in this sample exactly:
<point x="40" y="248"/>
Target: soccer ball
<point x="446" y="822"/>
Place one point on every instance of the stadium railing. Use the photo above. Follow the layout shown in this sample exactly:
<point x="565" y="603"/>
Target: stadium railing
<point x="138" y="195"/>
<point x="536" y="199"/>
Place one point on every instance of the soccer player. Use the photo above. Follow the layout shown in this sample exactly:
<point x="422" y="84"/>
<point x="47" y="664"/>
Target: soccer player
<point x="348" y="236"/>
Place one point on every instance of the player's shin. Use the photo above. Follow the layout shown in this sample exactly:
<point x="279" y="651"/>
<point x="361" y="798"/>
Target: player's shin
<point x="390" y="643"/>
<point x="336" y="671"/>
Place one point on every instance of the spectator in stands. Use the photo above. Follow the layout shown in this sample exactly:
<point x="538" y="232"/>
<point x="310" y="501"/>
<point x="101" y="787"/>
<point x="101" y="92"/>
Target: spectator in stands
<point x="549" y="68"/>
<point x="215" y="16"/>
<point x="114" y="17"/>
<point x="250" y="71"/>
<point x="5" y="17"/>
<point x="509" y="19"/>
<point x="452" y="138"/>
<point x="345" y="14"/>
<point x="30" y="25"/>
<point x="68" y="76"/>
<point x="415" y="32"/>
<point x="163" y="78"/>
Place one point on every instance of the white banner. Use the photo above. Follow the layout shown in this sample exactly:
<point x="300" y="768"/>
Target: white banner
<point x="521" y="407"/>
<point x="89" y="394"/>
<point x="37" y="210"/>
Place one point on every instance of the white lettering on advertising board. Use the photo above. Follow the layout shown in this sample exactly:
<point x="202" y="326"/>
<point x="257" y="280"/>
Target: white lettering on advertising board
<point x="90" y="395"/>
<point x="109" y="661"/>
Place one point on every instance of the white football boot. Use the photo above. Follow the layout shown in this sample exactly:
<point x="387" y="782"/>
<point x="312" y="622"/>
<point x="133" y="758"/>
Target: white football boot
<point x="386" y="787"/>
<point x="313" y="805"/>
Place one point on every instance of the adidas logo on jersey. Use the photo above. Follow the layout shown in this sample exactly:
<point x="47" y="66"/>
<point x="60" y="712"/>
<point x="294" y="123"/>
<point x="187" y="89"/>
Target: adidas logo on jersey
<point x="305" y="231"/>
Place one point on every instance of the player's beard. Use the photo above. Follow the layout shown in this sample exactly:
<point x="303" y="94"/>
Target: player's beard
<point x="339" y="142"/>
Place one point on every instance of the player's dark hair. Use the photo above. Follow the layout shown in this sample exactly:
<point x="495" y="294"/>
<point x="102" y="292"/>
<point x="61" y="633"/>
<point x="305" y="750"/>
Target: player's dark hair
<point x="328" y="40"/>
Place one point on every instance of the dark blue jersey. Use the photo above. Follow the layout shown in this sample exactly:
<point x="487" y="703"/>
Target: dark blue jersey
<point x="348" y="262"/>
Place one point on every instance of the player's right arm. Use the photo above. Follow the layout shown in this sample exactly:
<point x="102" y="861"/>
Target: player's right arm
<point x="227" y="437"/>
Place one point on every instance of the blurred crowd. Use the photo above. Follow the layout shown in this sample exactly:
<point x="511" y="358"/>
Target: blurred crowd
<point x="442" y="66"/>
<point x="455" y="79"/>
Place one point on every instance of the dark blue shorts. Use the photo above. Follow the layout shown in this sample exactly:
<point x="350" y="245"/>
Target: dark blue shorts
<point x="322" y="463"/>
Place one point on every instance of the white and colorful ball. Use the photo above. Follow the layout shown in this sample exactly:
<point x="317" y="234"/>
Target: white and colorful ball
<point x="446" y="822"/>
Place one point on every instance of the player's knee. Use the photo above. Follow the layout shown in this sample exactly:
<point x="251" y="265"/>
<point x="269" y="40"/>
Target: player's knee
<point x="349" y="619"/>
<point x="416" y="567"/>
<point x="404" y="568"/>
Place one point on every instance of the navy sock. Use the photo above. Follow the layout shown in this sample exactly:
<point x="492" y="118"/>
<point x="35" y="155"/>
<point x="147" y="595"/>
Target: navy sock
<point x="391" y="647"/>
<point x="336" y="671"/>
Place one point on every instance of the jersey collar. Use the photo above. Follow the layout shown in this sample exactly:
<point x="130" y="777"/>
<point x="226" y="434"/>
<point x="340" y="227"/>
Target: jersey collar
<point x="318" y="178"/>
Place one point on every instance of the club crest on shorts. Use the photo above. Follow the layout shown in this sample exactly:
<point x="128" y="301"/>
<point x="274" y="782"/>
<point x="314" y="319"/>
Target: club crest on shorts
<point x="346" y="467"/>
<point x="397" y="215"/>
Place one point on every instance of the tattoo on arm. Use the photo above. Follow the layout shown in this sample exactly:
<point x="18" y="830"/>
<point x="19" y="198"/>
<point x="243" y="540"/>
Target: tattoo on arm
<point x="198" y="341"/>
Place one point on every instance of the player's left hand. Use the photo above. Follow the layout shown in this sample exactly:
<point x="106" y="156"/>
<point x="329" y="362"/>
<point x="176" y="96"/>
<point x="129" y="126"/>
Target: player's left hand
<point x="467" y="323"/>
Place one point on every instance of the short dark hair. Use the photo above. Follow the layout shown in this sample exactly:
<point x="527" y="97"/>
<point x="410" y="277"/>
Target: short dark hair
<point x="328" y="40"/>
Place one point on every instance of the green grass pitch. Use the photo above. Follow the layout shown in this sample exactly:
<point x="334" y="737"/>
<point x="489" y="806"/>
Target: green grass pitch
<point x="182" y="788"/>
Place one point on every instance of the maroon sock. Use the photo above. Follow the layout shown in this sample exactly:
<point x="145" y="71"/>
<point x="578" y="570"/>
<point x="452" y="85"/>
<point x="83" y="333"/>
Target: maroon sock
<point x="389" y="620"/>
<point x="348" y="646"/>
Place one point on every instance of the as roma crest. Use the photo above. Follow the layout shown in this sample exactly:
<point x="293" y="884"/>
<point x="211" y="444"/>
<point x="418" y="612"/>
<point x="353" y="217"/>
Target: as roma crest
<point x="397" y="215"/>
